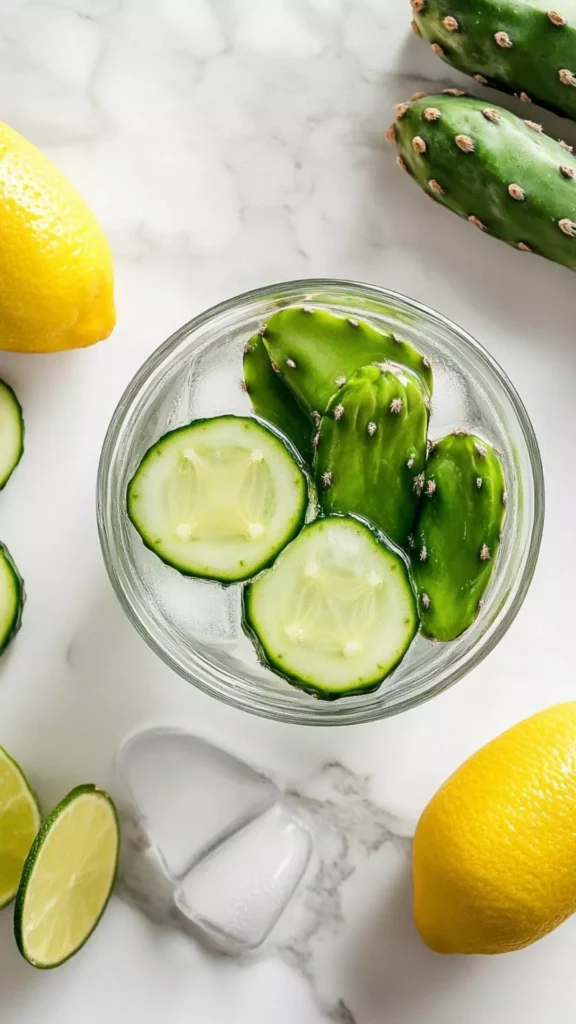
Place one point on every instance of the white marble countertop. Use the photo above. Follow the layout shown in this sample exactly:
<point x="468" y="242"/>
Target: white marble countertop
<point x="225" y="144"/>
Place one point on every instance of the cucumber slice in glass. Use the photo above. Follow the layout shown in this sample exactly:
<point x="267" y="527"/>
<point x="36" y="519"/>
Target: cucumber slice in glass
<point x="218" y="498"/>
<point x="11" y="433"/>
<point x="336" y="613"/>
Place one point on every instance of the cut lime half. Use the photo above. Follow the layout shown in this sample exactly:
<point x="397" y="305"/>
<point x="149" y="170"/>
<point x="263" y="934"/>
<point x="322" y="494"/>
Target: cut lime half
<point x="20" y="820"/>
<point x="68" y="878"/>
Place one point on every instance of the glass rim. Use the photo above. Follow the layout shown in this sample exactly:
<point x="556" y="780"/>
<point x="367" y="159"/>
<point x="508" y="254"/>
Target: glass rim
<point x="270" y="705"/>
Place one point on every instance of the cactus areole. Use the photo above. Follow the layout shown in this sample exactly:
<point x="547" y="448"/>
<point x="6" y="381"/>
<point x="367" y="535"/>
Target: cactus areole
<point x="527" y="48"/>
<point x="503" y="174"/>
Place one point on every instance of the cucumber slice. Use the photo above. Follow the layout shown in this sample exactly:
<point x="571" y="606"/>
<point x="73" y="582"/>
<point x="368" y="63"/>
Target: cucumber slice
<point x="336" y="612"/>
<point x="67" y="878"/>
<point x="11" y="433"/>
<point x="218" y="498"/>
<point x="12" y="598"/>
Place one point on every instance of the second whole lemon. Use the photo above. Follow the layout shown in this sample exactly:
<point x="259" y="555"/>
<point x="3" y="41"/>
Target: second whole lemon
<point x="56" y="276"/>
<point x="494" y="858"/>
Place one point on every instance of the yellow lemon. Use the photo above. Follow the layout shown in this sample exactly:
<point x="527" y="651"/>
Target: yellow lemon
<point x="56" y="278"/>
<point x="495" y="849"/>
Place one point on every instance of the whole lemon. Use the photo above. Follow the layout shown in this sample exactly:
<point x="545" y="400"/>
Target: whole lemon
<point x="494" y="857"/>
<point x="56" y="277"/>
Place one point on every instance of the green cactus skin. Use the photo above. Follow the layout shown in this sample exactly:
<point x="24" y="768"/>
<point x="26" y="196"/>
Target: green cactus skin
<point x="458" y="533"/>
<point x="273" y="400"/>
<point x="526" y="48"/>
<point x="316" y="352"/>
<point x="371" y="450"/>
<point x="501" y="172"/>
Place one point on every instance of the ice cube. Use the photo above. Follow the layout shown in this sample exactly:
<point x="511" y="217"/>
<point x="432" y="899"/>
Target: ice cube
<point x="450" y="402"/>
<point x="236" y="894"/>
<point x="199" y="609"/>
<point x="216" y="382"/>
<point x="189" y="794"/>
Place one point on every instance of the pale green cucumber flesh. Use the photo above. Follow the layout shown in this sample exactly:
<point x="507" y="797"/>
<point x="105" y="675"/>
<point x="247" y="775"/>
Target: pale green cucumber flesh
<point x="336" y="612"/>
<point x="218" y="498"/>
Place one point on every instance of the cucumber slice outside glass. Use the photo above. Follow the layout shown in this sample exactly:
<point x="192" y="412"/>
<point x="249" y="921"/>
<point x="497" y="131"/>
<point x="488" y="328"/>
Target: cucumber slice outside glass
<point x="12" y="598"/>
<point x="219" y="498"/>
<point x="68" y="878"/>
<point x="336" y="612"/>
<point x="11" y="433"/>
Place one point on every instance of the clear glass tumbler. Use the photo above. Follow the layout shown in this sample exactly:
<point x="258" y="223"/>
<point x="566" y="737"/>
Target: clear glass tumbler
<point x="194" y="626"/>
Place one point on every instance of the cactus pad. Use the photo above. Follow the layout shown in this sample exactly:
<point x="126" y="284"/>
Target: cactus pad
<point x="316" y="352"/>
<point x="273" y="400"/>
<point x="371" y="450"/>
<point x="458" y="533"/>
<point x="500" y="172"/>
<point x="527" y="48"/>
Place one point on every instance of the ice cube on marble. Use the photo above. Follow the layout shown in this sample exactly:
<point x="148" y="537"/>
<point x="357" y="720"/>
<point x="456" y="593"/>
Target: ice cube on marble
<point x="189" y="794"/>
<point x="236" y="894"/>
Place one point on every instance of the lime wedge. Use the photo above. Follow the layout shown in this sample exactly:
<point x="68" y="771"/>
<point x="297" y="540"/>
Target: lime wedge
<point x="20" y="820"/>
<point x="68" y="878"/>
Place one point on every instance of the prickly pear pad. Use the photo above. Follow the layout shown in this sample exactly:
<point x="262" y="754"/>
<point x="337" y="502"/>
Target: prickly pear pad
<point x="316" y="352"/>
<point x="371" y="449"/>
<point x="527" y="48"/>
<point x="458" y="533"/>
<point x="273" y="400"/>
<point x="500" y="172"/>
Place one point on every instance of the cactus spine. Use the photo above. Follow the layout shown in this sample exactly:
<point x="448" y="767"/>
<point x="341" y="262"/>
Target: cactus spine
<point x="525" y="48"/>
<point x="371" y="451"/>
<point x="457" y="536"/>
<point x="500" y="172"/>
<point x="316" y="352"/>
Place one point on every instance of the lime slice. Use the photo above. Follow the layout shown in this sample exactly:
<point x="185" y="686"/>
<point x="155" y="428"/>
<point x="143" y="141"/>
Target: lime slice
<point x="20" y="820"/>
<point x="68" y="878"/>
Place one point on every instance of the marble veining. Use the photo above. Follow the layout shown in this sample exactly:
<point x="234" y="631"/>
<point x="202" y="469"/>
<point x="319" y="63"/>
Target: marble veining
<point x="347" y="827"/>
